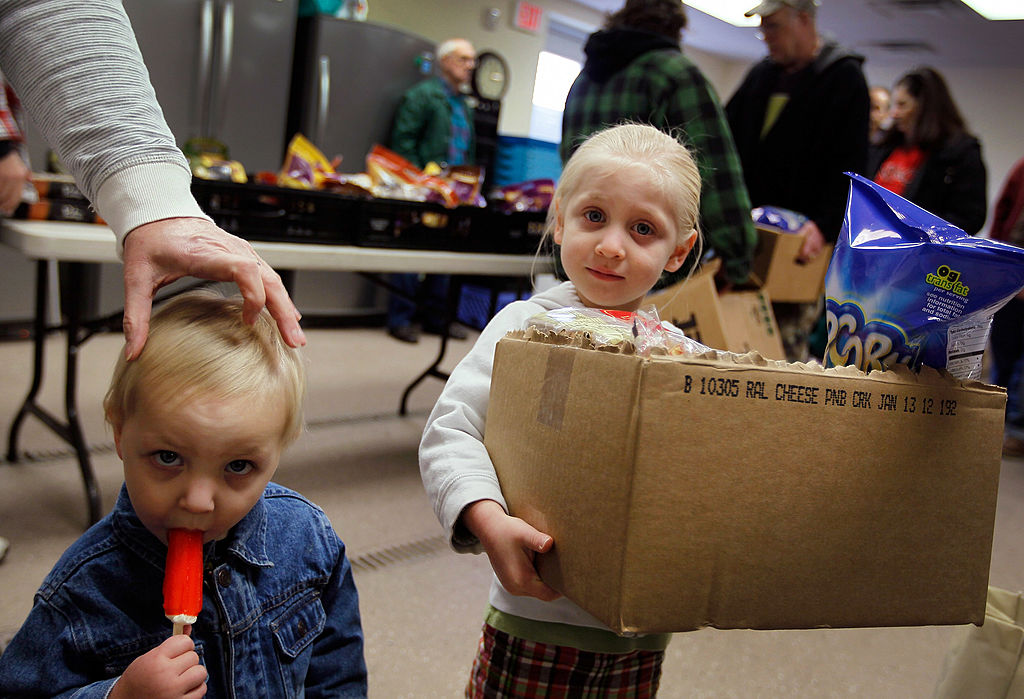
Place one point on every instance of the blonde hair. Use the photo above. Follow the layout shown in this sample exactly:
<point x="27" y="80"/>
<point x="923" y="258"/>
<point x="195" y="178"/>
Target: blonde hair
<point x="198" y="344"/>
<point x="664" y="156"/>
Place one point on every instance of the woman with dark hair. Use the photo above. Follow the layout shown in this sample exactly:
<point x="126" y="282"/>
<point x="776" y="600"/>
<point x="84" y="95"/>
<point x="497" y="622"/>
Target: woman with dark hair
<point x="928" y="156"/>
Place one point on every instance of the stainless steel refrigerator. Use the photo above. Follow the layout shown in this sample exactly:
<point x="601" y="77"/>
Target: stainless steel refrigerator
<point x="221" y="69"/>
<point x="348" y="78"/>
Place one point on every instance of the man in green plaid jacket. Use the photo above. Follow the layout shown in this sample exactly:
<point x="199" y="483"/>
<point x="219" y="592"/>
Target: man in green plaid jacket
<point x="636" y="71"/>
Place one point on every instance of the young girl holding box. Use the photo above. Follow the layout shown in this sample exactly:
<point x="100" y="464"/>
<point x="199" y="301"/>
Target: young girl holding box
<point x="626" y="209"/>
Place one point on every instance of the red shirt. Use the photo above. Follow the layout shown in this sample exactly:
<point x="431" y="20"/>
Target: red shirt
<point x="899" y="169"/>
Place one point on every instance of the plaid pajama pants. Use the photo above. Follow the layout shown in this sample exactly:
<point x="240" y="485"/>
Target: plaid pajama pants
<point x="506" y="666"/>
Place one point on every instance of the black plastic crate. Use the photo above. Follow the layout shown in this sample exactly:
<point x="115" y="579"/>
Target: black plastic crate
<point x="514" y="233"/>
<point x="279" y="214"/>
<point x="395" y="223"/>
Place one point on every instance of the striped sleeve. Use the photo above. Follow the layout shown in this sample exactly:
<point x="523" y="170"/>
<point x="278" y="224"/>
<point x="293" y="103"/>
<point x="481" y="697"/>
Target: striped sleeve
<point x="78" y="70"/>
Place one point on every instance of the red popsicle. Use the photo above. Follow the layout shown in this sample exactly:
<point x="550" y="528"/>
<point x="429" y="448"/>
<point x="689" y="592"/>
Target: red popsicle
<point x="183" y="577"/>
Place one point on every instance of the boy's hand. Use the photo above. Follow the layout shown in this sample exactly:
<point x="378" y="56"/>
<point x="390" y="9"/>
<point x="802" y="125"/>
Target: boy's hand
<point x="169" y="671"/>
<point x="511" y="546"/>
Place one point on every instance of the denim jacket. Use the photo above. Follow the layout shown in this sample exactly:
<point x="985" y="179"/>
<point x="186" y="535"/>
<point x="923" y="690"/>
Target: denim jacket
<point x="280" y="613"/>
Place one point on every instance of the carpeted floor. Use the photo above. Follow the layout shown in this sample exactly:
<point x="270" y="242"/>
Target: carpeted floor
<point x="421" y="603"/>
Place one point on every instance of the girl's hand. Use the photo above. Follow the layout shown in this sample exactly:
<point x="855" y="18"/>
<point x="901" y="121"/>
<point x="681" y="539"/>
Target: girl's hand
<point x="511" y="546"/>
<point x="169" y="671"/>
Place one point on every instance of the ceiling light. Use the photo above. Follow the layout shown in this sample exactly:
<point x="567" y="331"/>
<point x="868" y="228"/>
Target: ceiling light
<point x="730" y="11"/>
<point x="994" y="9"/>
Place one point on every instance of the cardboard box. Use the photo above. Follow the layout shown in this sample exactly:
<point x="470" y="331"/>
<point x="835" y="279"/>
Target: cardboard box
<point x="750" y="324"/>
<point x="777" y="271"/>
<point x="685" y="493"/>
<point x="736" y="321"/>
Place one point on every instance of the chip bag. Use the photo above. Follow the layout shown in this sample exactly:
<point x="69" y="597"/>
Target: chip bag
<point x="778" y="219"/>
<point x="395" y="177"/>
<point x="906" y="287"/>
<point x="305" y="167"/>
<point x="531" y="195"/>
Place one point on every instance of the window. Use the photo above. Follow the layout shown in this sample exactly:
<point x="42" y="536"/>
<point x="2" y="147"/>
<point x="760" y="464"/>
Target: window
<point x="555" y="75"/>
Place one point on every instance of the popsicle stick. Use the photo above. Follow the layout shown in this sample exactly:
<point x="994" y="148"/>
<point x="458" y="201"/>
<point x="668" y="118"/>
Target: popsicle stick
<point x="179" y="628"/>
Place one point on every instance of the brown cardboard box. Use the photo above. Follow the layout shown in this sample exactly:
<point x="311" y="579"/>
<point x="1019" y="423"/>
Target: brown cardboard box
<point x="750" y="324"/>
<point x="736" y="321"/>
<point x="684" y="493"/>
<point x="693" y="307"/>
<point x="776" y="270"/>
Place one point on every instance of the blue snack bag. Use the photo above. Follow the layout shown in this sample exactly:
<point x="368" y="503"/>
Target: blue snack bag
<point x="778" y="219"/>
<point x="906" y="287"/>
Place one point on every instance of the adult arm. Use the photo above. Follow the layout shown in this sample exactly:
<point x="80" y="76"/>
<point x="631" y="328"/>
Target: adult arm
<point x="78" y="70"/>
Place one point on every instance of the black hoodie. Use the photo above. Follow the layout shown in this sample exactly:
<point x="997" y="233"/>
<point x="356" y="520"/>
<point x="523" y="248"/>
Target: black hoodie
<point x="821" y="133"/>
<point x="611" y="50"/>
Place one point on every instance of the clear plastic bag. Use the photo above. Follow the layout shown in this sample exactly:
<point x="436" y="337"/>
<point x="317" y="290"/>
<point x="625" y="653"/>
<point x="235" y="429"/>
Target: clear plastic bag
<point x="643" y="329"/>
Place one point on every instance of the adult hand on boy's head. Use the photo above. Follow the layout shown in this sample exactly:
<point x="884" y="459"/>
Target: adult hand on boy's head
<point x="511" y="545"/>
<point x="157" y="253"/>
<point x="169" y="671"/>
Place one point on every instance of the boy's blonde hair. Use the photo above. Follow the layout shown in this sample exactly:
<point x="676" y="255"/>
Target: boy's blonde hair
<point x="198" y="344"/>
<point x="667" y="159"/>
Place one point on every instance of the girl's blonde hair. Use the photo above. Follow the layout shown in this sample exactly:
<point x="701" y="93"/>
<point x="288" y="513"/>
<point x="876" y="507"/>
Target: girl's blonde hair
<point x="665" y="157"/>
<point x="198" y="345"/>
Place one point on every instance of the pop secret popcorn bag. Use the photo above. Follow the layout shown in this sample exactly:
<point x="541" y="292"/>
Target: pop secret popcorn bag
<point x="906" y="287"/>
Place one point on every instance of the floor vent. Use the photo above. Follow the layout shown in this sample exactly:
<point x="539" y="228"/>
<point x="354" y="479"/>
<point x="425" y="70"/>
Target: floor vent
<point x="399" y="553"/>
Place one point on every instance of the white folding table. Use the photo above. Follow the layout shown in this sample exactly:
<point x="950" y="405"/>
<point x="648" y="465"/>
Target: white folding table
<point x="82" y="245"/>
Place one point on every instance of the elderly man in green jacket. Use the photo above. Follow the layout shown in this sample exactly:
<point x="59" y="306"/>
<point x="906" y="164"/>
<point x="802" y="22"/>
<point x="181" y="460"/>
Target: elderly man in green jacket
<point x="433" y="123"/>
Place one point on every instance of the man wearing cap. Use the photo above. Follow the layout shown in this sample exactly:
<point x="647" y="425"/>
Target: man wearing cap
<point x="800" y="120"/>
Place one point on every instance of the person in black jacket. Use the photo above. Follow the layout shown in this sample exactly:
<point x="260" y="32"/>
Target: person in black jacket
<point x="800" y="120"/>
<point x="928" y="156"/>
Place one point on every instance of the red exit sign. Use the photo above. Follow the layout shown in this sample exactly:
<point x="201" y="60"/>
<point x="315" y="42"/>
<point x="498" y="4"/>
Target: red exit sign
<point x="528" y="16"/>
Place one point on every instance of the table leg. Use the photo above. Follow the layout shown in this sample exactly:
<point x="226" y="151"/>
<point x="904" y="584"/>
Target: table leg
<point x="38" y="358"/>
<point x="76" y="437"/>
<point x="70" y="430"/>
<point x="450" y="311"/>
